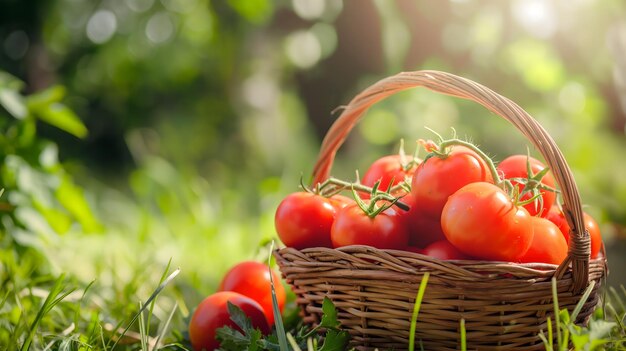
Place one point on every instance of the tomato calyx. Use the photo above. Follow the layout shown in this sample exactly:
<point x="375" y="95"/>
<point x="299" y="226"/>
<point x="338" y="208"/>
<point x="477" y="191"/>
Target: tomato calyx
<point x="532" y="185"/>
<point x="333" y="186"/>
<point x="373" y="209"/>
<point x="444" y="147"/>
<point x="413" y="162"/>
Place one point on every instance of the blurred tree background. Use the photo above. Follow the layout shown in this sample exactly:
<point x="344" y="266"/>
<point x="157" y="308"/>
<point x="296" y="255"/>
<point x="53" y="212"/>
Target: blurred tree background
<point x="201" y="115"/>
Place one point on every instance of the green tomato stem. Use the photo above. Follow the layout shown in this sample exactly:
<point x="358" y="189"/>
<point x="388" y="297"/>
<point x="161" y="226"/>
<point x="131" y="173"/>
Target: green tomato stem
<point x="492" y="166"/>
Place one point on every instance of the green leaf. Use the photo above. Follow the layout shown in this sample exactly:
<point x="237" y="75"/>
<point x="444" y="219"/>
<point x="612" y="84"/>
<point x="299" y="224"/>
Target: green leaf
<point x="13" y="102"/>
<point x="579" y="341"/>
<point x="329" y="317"/>
<point x="73" y="200"/>
<point x="232" y="339"/>
<point x="45" y="98"/>
<point x="599" y="329"/>
<point x="239" y="317"/>
<point x="335" y="340"/>
<point x="60" y="116"/>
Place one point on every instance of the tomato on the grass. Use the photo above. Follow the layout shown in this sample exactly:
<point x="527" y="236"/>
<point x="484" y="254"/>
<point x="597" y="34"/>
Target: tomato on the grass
<point x="212" y="314"/>
<point x="556" y="216"/>
<point x="548" y="245"/>
<point x="386" y="230"/>
<point x="482" y="221"/>
<point x="516" y="166"/>
<point x="304" y="219"/>
<point x="252" y="279"/>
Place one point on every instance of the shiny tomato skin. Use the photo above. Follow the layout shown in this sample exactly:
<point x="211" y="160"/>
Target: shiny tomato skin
<point x="444" y="250"/>
<point x="423" y="230"/>
<point x="386" y="169"/>
<point x="385" y="231"/>
<point x="252" y="279"/>
<point x="548" y="245"/>
<point x="556" y="216"/>
<point x="212" y="314"/>
<point x="481" y="220"/>
<point x="304" y="220"/>
<point x="340" y="201"/>
<point x="437" y="178"/>
<point x="515" y="167"/>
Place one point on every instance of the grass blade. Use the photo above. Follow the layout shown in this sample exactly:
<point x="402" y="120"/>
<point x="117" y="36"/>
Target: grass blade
<point x="151" y="310"/>
<point x="293" y="342"/>
<point x="463" y="335"/>
<point x="166" y="325"/>
<point x="143" y="307"/>
<point x="416" y="310"/>
<point x="278" y="319"/>
<point x="583" y="300"/>
<point x="52" y="300"/>
<point x="555" y="300"/>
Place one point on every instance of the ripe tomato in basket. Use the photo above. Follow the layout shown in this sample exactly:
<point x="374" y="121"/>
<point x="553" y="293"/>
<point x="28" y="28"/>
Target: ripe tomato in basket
<point x="252" y="279"/>
<point x="516" y="166"/>
<point x="556" y="216"/>
<point x="444" y="250"/>
<point x="304" y="219"/>
<point x="438" y="177"/>
<point x="387" y="169"/>
<point x="423" y="230"/>
<point x="548" y="245"/>
<point x="386" y="230"/>
<point x="212" y="314"/>
<point x="481" y="220"/>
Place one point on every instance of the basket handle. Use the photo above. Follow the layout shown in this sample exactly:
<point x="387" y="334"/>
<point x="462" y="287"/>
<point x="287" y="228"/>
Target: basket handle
<point x="449" y="84"/>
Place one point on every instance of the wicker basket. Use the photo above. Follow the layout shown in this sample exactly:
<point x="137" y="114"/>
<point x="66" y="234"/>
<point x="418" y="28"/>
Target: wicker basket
<point x="504" y="305"/>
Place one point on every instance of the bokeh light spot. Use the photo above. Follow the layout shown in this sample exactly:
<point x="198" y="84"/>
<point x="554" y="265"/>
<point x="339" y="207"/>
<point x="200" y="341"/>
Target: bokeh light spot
<point x="309" y="9"/>
<point x="101" y="26"/>
<point x="303" y="49"/>
<point x="260" y="91"/>
<point x="380" y="127"/>
<point x="537" y="17"/>
<point x="572" y="97"/>
<point x="140" y="5"/>
<point x="159" y="28"/>
<point x="327" y="36"/>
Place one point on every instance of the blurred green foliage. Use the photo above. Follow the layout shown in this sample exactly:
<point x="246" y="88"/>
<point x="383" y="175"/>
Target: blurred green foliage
<point x="150" y="130"/>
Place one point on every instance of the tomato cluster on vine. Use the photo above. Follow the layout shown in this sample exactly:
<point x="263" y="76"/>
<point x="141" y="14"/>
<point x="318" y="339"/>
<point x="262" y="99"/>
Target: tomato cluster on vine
<point x="455" y="204"/>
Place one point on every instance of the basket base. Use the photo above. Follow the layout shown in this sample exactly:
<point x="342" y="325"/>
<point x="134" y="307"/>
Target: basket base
<point x="505" y="306"/>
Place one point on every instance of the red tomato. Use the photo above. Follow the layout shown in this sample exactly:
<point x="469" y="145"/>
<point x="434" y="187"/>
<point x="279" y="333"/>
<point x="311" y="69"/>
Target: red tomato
<point x="556" y="216"/>
<point x="252" y="279"/>
<point x="384" y="170"/>
<point x="482" y="221"/>
<point x="515" y="167"/>
<point x="437" y="178"/>
<point x="340" y="201"/>
<point x="353" y="227"/>
<point x="423" y="230"/>
<point x="212" y="314"/>
<point x="548" y="245"/>
<point x="444" y="250"/>
<point x="304" y="219"/>
<point x="414" y="249"/>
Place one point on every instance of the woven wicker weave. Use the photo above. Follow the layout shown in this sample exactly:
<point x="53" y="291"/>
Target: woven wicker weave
<point x="504" y="305"/>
